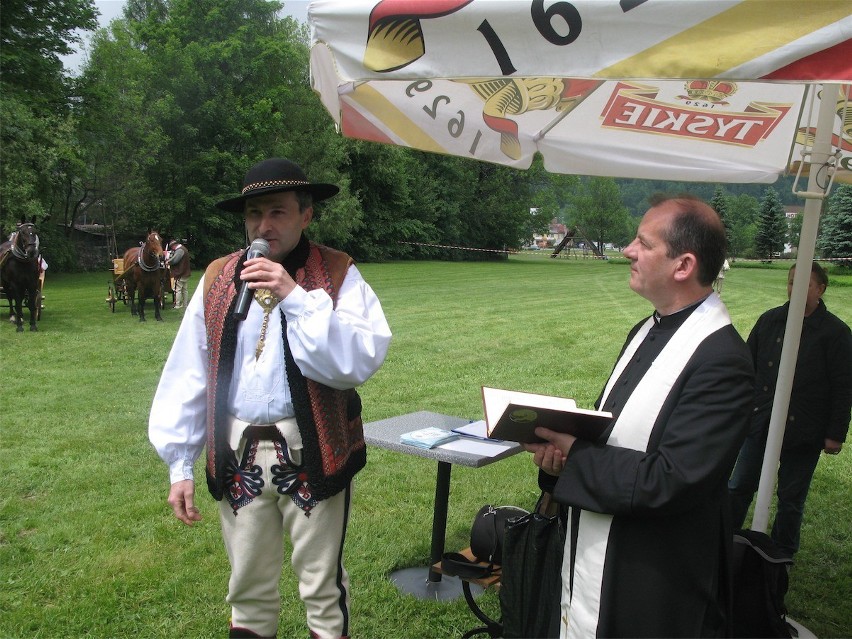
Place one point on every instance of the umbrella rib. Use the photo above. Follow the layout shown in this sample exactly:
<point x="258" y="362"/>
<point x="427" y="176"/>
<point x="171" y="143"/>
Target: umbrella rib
<point x="538" y="136"/>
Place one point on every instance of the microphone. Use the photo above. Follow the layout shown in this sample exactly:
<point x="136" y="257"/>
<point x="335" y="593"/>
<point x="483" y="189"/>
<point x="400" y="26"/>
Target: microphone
<point x="258" y="248"/>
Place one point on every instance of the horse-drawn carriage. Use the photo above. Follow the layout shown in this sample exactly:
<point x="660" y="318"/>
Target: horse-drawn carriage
<point x="141" y="270"/>
<point x="22" y="275"/>
<point x="117" y="288"/>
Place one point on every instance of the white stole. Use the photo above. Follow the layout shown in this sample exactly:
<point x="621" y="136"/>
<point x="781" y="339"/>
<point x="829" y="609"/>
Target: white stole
<point x="632" y="429"/>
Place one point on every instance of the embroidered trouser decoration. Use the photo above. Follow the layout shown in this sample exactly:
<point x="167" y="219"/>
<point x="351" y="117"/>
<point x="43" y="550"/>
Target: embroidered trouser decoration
<point x="244" y="482"/>
<point x="291" y="479"/>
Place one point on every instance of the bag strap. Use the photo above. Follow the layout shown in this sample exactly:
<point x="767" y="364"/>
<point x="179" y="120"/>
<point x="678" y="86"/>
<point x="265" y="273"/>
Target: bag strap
<point x="493" y="513"/>
<point x="546" y="505"/>
<point x="456" y="564"/>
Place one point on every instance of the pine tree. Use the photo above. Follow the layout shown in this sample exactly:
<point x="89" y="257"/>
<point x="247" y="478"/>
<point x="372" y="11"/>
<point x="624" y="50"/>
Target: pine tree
<point x="720" y="205"/>
<point x="835" y="239"/>
<point x="771" y="226"/>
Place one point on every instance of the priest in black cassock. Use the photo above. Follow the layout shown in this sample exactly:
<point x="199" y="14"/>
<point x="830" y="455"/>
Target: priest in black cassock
<point x="649" y="540"/>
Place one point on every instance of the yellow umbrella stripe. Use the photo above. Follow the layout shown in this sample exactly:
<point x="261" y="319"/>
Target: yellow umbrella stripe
<point x="717" y="44"/>
<point x="393" y="119"/>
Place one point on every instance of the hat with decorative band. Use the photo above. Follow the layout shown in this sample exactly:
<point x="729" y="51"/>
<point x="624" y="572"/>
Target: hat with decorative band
<point x="273" y="176"/>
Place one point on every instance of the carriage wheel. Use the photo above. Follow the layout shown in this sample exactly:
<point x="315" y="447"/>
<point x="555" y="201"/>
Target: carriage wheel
<point x="110" y="300"/>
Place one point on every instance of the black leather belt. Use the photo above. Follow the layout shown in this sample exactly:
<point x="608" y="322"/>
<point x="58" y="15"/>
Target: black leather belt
<point x="266" y="433"/>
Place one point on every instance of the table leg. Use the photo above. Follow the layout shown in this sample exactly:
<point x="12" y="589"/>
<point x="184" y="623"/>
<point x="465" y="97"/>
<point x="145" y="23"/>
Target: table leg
<point x="426" y="583"/>
<point x="439" y="517"/>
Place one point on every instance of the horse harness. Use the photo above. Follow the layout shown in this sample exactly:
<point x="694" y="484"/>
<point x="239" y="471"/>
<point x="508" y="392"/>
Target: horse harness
<point x="140" y="260"/>
<point x="18" y="247"/>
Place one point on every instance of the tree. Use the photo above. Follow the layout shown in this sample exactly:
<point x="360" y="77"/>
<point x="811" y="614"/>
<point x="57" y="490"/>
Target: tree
<point x="37" y="131"/>
<point x="401" y="204"/>
<point x="33" y="34"/>
<point x="597" y="209"/>
<point x="118" y="132"/>
<point x="719" y="202"/>
<point x="498" y="212"/>
<point x="181" y="97"/>
<point x="622" y="239"/>
<point x="553" y="192"/>
<point x="835" y="239"/>
<point x="794" y="233"/>
<point x="743" y="211"/>
<point x="772" y="226"/>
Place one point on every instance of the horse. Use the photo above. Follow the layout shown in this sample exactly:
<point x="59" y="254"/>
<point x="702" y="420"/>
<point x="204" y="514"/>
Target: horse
<point x="19" y="274"/>
<point x="143" y="268"/>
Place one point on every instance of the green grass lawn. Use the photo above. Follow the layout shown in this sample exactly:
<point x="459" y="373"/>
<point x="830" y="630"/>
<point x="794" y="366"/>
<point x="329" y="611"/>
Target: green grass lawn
<point x="88" y="545"/>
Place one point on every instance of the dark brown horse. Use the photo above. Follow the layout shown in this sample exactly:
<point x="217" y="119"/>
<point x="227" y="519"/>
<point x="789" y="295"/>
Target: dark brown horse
<point x="143" y="270"/>
<point x="19" y="274"/>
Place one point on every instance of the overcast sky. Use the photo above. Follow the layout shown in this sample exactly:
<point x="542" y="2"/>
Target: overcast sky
<point x="111" y="9"/>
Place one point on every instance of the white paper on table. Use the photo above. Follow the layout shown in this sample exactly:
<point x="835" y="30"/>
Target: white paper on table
<point x="474" y="429"/>
<point x="476" y="446"/>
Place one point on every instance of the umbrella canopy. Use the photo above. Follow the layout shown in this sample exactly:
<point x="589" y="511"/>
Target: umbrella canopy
<point x="686" y="90"/>
<point x="655" y="89"/>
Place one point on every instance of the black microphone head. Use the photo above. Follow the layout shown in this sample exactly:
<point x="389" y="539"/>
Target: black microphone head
<point x="258" y="248"/>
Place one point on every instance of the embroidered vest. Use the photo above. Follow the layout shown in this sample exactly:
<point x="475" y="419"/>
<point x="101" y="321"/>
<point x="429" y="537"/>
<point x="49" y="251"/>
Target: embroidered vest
<point x="329" y="420"/>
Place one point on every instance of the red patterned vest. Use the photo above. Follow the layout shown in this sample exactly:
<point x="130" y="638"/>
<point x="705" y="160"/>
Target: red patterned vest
<point x="329" y="420"/>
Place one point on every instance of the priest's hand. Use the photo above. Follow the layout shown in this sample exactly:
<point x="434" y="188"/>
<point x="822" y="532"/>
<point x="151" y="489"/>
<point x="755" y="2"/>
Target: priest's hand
<point x="551" y="455"/>
<point x="832" y="447"/>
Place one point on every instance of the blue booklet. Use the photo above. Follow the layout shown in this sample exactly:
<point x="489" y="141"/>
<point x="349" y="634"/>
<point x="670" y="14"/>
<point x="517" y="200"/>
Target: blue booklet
<point x="427" y="437"/>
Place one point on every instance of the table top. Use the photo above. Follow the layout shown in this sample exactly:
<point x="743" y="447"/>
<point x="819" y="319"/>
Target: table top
<point x="385" y="433"/>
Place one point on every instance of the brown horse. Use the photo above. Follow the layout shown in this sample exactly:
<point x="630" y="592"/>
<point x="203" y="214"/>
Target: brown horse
<point x="19" y="274"/>
<point x="143" y="267"/>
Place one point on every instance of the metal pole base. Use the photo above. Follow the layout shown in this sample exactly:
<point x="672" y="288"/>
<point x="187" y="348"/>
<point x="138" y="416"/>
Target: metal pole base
<point x="415" y="581"/>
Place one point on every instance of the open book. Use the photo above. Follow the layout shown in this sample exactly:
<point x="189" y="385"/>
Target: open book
<point x="514" y="416"/>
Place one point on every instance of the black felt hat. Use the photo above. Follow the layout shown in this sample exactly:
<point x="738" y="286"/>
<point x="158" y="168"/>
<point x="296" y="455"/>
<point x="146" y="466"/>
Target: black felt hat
<point x="273" y="176"/>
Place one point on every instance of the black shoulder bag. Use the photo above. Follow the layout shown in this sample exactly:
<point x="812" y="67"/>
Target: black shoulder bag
<point x="486" y="543"/>
<point x="531" y="583"/>
<point x="760" y="584"/>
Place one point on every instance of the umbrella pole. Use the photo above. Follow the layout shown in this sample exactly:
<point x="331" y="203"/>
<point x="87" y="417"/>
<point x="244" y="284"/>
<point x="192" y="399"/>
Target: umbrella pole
<point x="793" y="330"/>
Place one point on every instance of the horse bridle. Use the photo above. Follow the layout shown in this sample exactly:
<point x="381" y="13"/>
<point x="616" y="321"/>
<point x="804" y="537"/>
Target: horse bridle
<point x="141" y="261"/>
<point x="17" y="251"/>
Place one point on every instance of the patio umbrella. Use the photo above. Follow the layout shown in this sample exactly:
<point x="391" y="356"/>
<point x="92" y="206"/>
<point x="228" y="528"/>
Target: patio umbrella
<point x="693" y="90"/>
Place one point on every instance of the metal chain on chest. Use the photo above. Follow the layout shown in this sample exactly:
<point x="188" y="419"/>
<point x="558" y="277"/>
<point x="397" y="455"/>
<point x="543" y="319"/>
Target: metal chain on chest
<point x="267" y="301"/>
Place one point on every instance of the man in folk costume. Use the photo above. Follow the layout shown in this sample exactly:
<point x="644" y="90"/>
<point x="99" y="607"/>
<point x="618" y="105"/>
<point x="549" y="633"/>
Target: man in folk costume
<point x="180" y="271"/>
<point x="273" y="399"/>
<point x="649" y="541"/>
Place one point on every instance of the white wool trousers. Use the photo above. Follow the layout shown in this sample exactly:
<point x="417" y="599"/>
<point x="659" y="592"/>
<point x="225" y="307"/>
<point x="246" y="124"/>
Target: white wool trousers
<point x="254" y="540"/>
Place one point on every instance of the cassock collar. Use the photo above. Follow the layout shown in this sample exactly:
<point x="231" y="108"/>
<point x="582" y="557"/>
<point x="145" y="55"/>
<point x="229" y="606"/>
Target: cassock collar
<point x="673" y="321"/>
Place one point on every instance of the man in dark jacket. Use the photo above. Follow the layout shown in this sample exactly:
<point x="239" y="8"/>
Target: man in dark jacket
<point x="180" y="271"/>
<point x="818" y="416"/>
<point x="649" y="542"/>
